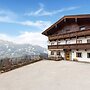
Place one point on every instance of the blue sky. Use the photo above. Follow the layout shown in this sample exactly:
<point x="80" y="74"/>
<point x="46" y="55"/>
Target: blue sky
<point x="23" y="20"/>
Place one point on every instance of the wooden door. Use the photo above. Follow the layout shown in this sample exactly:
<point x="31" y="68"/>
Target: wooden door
<point x="67" y="55"/>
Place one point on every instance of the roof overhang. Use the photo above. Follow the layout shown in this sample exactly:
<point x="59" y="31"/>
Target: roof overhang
<point x="63" y="20"/>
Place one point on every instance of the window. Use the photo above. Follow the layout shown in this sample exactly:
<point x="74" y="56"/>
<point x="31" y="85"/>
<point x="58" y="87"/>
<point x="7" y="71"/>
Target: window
<point x="82" y="27"/>
<point x="58" y="42"/>
<point x="56" y="26"/>
<point x="88" y="41"/>
<point x="67" y="41"/>
<point x="78" y="54"/>
<point x="58" y="53"/>
<point x="52" y="43"/>
<point x="79" y="41"/>
<point x="62" y="30"/>
<point x="52" y="52"/>
<point x="88" y="55"/>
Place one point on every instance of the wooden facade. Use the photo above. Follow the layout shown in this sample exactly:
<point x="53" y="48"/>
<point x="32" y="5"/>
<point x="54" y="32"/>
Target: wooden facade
<point x="84" y="46"/>
<point x="76" y="34"/>
<point x="70" y="27"/>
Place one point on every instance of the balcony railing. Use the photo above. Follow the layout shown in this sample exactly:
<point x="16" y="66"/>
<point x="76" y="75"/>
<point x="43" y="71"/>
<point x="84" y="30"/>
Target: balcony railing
<point x="70" y="46"/>
<point x="70" y="35"/>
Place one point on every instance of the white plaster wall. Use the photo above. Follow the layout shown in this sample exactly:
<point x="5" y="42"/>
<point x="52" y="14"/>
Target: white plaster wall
<point x="49" y="53"/>
<point x="72" y="55"/>
<point x="84" y="40"/>
<point x="62" y="53"/>
<point x="55" y="53"/>
<point x="54" y="43"/>
<point x="84" y="55"/>
<point x="73" y="41"/>
<point x="73" y="52"/>
<point x="62" y="42"/>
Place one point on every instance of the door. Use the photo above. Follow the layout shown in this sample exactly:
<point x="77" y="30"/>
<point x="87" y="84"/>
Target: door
<point x="67" y="55"/>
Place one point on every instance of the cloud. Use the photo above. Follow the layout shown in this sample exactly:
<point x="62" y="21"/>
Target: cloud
<point x="7" y="16"/>
<point x="5" y="37"/>
<point x="39" y="24"/>
<point x="34" y="38"/>
<point x="42" y="12"/>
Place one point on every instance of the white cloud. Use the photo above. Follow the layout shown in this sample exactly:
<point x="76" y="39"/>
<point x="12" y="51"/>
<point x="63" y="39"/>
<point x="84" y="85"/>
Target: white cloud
<point x="38" y="24"/>
<point x="5" y="19"/>
<point x="42" y="12"/>
<point x="5" y="37"/>
<point x="34" y="38"/>
<point x="7" y="16"/>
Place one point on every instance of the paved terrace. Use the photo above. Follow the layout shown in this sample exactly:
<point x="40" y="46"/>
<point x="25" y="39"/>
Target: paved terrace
<point x="48" y="75"/>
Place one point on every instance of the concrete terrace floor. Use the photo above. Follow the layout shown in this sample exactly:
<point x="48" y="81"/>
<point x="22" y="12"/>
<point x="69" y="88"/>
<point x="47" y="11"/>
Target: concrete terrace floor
<point x="48" y="75"/>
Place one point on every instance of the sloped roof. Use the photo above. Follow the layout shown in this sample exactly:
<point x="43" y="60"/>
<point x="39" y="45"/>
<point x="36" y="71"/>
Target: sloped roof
<point x="66" y="17"/>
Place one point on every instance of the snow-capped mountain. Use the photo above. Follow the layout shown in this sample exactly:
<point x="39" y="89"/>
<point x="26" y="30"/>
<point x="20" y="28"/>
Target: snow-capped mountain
<point x="10" y="49"/>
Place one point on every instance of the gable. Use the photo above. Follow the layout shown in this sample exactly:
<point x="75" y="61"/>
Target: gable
<point x="65" y="21"/>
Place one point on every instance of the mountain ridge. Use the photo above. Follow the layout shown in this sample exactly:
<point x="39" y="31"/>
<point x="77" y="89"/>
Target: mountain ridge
<point x="11" y="49"/>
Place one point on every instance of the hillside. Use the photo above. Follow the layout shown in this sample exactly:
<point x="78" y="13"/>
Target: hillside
<point x="10" y="49"/>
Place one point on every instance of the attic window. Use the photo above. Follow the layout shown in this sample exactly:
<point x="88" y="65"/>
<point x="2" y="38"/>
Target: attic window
<point x="82" y="28"/>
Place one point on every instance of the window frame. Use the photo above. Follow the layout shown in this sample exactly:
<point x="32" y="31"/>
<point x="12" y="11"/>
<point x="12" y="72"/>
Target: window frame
<point x="58" y="42"/>
<point x="88" y="40"/>
<point x="82" y="27"/>
<point x="88" y="55"/>
<point x="58" y="53"/>
<point x="52" y="43"/>
<point x="52" y="52"/>
<point x="78" y="41"/>
<point x="79" y="54"/>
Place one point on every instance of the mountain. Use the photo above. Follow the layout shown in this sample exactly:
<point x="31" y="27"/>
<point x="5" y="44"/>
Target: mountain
<point x="10" y="49"/>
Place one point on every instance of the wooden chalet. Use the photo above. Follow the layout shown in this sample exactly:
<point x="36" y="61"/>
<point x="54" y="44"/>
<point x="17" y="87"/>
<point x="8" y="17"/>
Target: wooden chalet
<point x="69" y="38"/>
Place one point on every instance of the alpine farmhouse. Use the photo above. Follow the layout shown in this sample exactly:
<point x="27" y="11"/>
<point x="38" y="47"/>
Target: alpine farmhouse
<point x="69" y="38"/>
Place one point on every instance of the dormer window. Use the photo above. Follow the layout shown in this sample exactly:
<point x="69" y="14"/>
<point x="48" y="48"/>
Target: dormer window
<point x="82" y="27"/>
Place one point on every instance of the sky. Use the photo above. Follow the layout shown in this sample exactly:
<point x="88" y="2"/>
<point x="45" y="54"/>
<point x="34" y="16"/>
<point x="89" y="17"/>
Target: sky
<point x="23" y="21"/>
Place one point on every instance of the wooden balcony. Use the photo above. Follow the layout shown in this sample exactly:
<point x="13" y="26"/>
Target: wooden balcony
<point x="70" y="35"/>
<point x="71" y="46"/>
